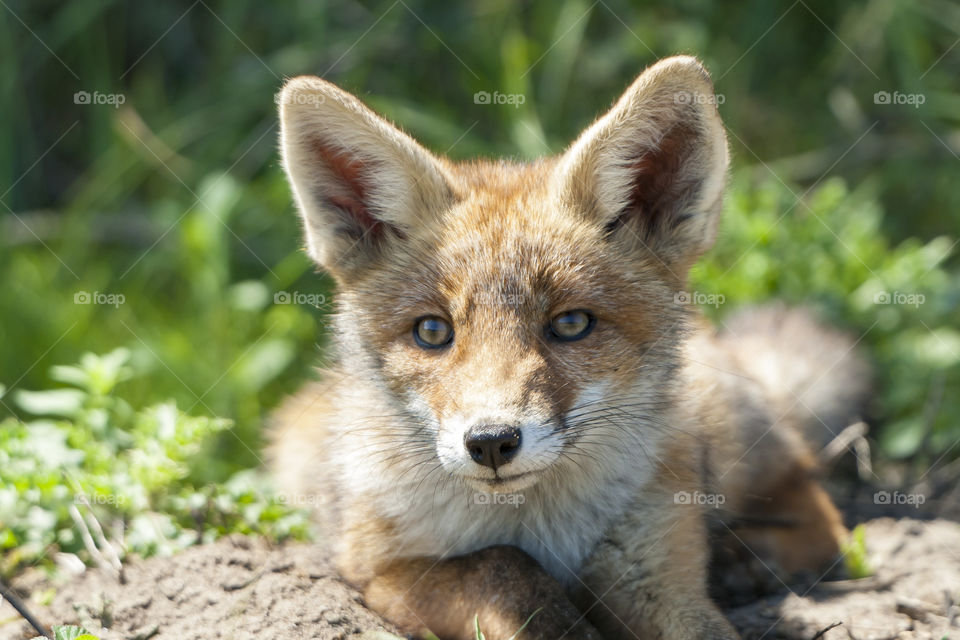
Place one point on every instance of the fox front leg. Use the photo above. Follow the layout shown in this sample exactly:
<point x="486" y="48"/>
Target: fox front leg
<point x="648" y="577"/>
<point x="499" y="588"/>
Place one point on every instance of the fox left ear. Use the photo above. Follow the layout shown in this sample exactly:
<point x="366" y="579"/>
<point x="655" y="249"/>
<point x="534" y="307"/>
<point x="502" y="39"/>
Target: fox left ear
<point x="652" y="170"/>
<point x="361" y="184"/>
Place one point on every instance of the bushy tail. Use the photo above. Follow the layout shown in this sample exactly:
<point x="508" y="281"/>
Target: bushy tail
<point x="810" y="374"/>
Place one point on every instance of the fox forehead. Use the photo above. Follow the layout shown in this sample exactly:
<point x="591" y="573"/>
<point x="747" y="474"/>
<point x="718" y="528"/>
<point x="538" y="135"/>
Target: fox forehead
<point x="508" y="241"/>
<point x="507" y="211"/>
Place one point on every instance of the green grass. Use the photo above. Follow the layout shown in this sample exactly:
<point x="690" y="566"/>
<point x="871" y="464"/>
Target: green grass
<point x="855" y="559"/>
<point x="93" y="476"/>
<point x="516" y="634"/>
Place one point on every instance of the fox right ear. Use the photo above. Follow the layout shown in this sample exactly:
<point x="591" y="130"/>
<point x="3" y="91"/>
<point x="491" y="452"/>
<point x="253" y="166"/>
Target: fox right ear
<point x="652" y="170"/>
<point x="360" y="183"/>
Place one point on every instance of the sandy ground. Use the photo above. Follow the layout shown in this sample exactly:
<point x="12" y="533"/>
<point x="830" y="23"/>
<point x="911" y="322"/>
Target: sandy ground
<point x="243" y="588"/>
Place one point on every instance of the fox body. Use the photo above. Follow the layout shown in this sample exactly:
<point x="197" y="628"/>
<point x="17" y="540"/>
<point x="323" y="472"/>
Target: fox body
<point x="520" y="415"/>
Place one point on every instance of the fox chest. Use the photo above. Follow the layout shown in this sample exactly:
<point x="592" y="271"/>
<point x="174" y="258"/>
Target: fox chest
<point x="559" y="532"/>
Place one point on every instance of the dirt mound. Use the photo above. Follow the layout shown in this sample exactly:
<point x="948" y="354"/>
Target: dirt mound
<point x="914" y="592"/>
<point x="241" y="588"/>
<point x="238" y="588"/>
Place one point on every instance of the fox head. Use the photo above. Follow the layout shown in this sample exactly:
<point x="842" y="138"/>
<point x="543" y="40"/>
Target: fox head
<point x="522" y="316"/>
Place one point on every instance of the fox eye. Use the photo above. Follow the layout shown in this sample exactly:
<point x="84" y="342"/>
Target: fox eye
<point x="572" y="325"/>
<point x="431" y="332"/>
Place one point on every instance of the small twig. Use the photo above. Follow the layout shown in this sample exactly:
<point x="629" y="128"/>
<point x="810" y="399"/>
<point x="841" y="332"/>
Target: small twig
<point x="930" y="410"/>
<point x="916" y="609"/>
<point x="102" y="551"/>
<point x="821" y="633"/>
<point x="852" y="437"/>
<point x="835" y="448"/>
<point x="16" y="603"/>
<point x="105" y="545"/>
<point x="872" y="583"/>
<point x="861" y="449"/>
<point x="87" y="538"/>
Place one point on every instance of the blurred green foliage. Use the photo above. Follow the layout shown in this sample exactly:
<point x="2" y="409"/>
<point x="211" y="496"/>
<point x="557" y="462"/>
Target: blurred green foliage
<point x="88" y="455"/>
<point x="827" y="250"/>
<point x="174" y="199"/>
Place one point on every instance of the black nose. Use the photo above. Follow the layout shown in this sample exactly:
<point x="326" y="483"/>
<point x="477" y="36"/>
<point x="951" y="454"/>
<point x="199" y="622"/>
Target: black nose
<point x="492" y="445"/>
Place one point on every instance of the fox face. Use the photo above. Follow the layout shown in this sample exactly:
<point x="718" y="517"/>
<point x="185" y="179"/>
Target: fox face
<point x="521" y="316"/>
<point x="508" y="333"/>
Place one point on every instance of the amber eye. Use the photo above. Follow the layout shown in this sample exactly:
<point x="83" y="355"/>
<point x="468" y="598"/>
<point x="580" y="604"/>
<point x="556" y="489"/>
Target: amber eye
<point x="431" y="332"/>
<point x="572" y="325"/>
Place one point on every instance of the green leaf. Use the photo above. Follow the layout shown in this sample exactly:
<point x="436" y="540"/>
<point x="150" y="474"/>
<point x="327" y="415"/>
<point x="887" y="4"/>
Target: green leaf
<point x="524" y="626"/>
<point x="72" y="633"/>
<point x="46" y="441"/>
<point x="105" y="372"/>
<point x="249" y="295"/>
<point x="56" y="402"/>
<point x="939" y="348"/>
<point x="855" y="554"/>
<point x="221" y="194"/>
<point x="264" y="362"/>
<point x="476" y="626"/>
<point x="71" y="375"/>
<point x="903" y="438"/>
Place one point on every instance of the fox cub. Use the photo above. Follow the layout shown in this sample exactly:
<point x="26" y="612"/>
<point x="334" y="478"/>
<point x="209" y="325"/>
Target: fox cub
<point x="521" y="415"/>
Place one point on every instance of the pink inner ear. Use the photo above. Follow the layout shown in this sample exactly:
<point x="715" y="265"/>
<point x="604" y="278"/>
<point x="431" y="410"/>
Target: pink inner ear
<point x="655" y="175"/>
<point x="352" y="197"/>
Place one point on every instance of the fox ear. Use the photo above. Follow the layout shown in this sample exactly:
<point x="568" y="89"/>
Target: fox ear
<point x="360" y="183"/>
<point x="652" y="170"/>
